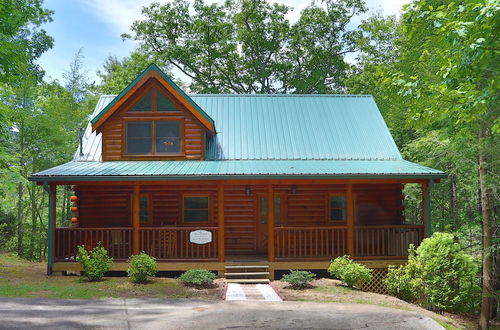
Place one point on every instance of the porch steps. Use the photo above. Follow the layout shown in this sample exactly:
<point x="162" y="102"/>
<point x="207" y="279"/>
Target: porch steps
<point x="246" y="280"/>
<point x="247" y="273"/>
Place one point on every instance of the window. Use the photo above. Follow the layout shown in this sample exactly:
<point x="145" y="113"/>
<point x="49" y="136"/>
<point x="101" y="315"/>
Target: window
<point x="153" y="137"/>
<point x="144" y="209"/>
<point x="144" y="104"/>
<point x="196" y="209"/>
<point x="167" y="137"/>
<point x="153" y="100"/>
<point x="139" y="137"/>
<point x="338" y="208"/>
<point x="277" y="210"/>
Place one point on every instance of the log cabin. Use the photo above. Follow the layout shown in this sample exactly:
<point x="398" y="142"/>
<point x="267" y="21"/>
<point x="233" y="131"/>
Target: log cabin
<point x="226" y="181"/>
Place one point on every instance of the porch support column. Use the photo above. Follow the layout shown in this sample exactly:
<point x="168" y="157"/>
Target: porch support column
<point x="135" y="219"/>
<point x="220" y="221"/>
<point x="350" y="221"/>
<point x="51" y="227"/>
<point x="270" y="223"/>
<point x="426" y="207"/>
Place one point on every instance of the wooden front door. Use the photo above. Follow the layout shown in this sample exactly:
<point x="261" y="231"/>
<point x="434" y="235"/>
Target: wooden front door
<point x="279" y="211"/>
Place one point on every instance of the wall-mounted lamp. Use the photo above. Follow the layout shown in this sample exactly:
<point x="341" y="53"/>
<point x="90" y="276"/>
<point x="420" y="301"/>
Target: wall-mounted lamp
<point x="248" y="191"/>
<point x="293" y="189"/>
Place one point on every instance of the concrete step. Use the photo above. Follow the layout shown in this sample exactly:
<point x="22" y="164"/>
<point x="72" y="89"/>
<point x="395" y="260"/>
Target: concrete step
<point x="246" y="266"/>
<point x="247" y="280"/>
<point x="247" y="274"/>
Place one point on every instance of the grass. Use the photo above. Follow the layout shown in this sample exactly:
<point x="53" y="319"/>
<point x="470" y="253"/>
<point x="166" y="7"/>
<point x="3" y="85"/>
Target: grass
<point x="21" y="278"/>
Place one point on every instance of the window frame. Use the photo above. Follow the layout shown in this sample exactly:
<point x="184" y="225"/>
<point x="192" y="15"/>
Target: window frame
<point x="153" y="121"/>
<point x="209" y="209"/>
<point x="329" y="201"/>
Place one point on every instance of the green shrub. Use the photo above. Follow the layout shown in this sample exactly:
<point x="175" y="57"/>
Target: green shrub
<point x="299" y="279"/>
<point x="349" y="272"/>
<point x="94" y="263"/>
<point x="198" y="278"/>
<point x="140" y="267"/>
<point x="440" y="275"/>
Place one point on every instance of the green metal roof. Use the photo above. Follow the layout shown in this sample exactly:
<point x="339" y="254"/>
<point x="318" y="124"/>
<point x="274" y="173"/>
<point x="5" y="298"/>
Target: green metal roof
<point x="249" y="169"/>
<point x="152" y="67"/>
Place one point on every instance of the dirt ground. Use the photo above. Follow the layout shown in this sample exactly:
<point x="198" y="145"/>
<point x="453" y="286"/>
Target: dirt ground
<point x="328" y="290"/>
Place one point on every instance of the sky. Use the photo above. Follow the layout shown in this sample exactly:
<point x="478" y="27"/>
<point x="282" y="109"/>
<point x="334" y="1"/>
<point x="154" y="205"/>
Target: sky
<point x="95" y="27"/>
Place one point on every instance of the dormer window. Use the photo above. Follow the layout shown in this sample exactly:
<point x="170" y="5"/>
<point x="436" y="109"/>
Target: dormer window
<point x="153" y="137"/>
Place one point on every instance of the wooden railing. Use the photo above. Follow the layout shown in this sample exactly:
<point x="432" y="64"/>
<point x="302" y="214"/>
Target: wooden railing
<point x="383" y="242"/>
<point x="172" y="243"/>
<point x="118" y="241"/>
<point x="310" y="242"/>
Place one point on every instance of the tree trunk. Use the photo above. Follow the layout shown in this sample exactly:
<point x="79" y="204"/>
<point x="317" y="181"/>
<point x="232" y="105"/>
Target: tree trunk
<point x="20" y="246"/>
<point x="487" y="234"/>
<point x="33" y="222"/>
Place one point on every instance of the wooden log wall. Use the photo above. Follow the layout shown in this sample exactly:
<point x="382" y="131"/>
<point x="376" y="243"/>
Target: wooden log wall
<point x="109" y="206"/>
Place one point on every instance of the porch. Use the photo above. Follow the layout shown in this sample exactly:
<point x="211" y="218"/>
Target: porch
<point x="286" y="224"/>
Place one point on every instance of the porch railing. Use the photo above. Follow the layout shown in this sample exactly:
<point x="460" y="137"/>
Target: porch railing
<point x="173" y="243"/>
<point x="117" y="241"/>
<point x="310" y="242"/>
<point x="386" y="241"/>
<point x="323" y="243"/>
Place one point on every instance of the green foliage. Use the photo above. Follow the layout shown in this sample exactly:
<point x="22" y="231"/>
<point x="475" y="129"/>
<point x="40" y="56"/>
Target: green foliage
<point x="198" y="278"/>
<point x="140" y="267"/>
<point x="249" y="46"/>
<point x="94" y="263"/>
<point x="299" y="279"/>
<point x="439" y="274"/>
<point x="21" y="40"/>
<point x="349" y="272"/>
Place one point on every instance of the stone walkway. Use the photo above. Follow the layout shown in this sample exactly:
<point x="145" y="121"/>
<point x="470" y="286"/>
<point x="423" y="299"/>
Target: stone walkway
<point x="253" y="292"/>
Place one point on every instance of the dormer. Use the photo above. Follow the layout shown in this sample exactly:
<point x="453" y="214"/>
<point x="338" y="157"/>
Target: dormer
<point x="153" y="119"/>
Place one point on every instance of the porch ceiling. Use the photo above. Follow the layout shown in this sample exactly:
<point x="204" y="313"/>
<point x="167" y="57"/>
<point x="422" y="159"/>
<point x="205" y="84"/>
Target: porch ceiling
<point x="235" y="169"/>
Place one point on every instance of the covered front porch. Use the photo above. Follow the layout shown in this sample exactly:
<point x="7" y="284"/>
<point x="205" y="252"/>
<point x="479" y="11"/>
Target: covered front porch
<point x="285" y="223"/>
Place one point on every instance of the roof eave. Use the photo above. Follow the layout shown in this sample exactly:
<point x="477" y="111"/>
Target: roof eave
<point x="88" y="178"/>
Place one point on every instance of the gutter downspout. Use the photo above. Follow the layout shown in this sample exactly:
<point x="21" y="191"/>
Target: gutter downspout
<point x="428" y="206"/>
<point x="50" y="237"/>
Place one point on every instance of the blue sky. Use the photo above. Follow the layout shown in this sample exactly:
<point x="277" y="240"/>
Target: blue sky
<point x="95" y="27"/>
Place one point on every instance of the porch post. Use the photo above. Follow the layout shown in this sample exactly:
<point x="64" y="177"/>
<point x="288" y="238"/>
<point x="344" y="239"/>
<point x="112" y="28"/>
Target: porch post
<point x="220" y="221"/>
<point x="135" y="219"/>
<point x="350" y="221"/>
<point x="270" y="223"/>
<point x="51" y="226"/>
<point x="426" y="207"/>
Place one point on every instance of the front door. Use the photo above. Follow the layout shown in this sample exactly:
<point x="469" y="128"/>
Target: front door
<point x="262" y="214"/>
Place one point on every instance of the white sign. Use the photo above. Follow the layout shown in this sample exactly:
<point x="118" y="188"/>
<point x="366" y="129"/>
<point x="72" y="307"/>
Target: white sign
<point x="200" y="237"/>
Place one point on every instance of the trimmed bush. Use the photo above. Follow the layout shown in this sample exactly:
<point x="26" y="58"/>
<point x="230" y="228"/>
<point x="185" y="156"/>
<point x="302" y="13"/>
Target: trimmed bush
<point x="198" y="278"/>
<point x="440" y="275"/>
<point x="349" y="272"/>
<point x="299" y="279"/>
<point x="140" y="267"/>
<point x="94" y="263"/>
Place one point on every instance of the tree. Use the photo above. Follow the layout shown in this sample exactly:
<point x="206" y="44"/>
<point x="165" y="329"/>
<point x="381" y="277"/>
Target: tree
<point x="21" y="40"/>
<point x="248" y="46"/>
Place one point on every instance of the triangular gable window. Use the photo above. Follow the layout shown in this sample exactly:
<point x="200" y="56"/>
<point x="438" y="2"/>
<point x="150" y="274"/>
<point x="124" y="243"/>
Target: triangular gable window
<point x="144" y="104"/>
<point x="164" y="104"/>
<point x="153" y="100"/>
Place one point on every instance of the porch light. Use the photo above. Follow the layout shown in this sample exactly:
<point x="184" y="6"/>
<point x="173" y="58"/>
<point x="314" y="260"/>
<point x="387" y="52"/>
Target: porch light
<point x="293" y="189"/>
<point x="248" y="191"/>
